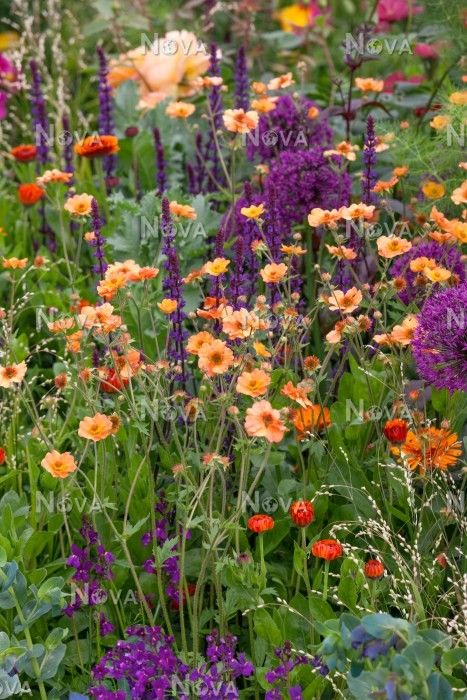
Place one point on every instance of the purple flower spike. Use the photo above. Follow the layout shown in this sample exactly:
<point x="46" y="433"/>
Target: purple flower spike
<point x="161" y="176"/>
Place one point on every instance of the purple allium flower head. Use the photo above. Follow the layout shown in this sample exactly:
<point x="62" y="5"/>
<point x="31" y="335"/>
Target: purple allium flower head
<point x="39" y="116"/>
<point x="241" y="80"/>
<point x="161" y="176"/>
<point x="369" y="177"/>
<point x="98" y="242"/>
<point x="443" y="255"/>
<point x="440" y="343"/>
<point x="288" y="127"/>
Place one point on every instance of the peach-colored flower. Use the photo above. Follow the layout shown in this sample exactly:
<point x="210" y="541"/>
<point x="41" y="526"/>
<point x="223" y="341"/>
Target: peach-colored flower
<point x="12" y="374"/>
<point x="433" y="190"/>
<point x="259" y="88"/>
<point x="342" y="252"/>
<point x="357" y="211"/>
<point x="345" y="149"/>
<point x="273" y="272"/>
<point x="79" y="204"/>
<point x="193" y="275"/>
<point x="345" y="302"/>
<point x="458" y="98"/>
<point x="217" y="267"/>
<point x="419" y="264"/>
<point x="253" y="211"/>
<point x="264" y="104"/>
<point x="254" y="383"/>
<point x="440" y="121"/>
<point x="459" y="195"/>
<point x="282" y="81"/>
<point x="14" y="263"/>
<point x="73" y="341"/>
<point x="262" y="420"/>
<point x="298" y="393"/>
<point x="437" y="274"/>
<point x="54" y="175"/>
<point x="404" y="334"/>
<point x="400" y="171"/>
<point x="313" y="112"/>
<point x="335" y="335"/>
<point x="458" y="229"/>
<point x="369" y="84"/>
<point x="196" y="341"/>
<point x="240" y="323"/>
<point x="239" y="121"/>
<point x="59" y="464"/>
<point x="385" y="185"/>
<point x="292" y="250"/>
<point x="261" y="350"/>
<point x="184" y="211"/>
<point x="180" y="110"/>
<point x="168" y="306"/>
<point x="215" y="358"/>
<point x="60" y="325"/>
<point x="145" y="273"/>
<point x="324" y="217"/>
<point x="96" y="427"/>
<point x="391" y="246"/>
<point x="384" y="339"/>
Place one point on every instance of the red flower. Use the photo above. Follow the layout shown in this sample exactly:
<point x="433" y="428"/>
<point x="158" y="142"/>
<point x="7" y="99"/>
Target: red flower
<point x="112" y="382"/>
<point x="441" y="560"/>
<point x="2" y="456"/>
<point x="302" y="513"/>
<point x="374" y="568"/>
<point x="260" y="523"/>
<point x="30" y="193"/>
<point x="327" y="549"/>
<point x="396" y="430"/>
<point x="24" y="152"/>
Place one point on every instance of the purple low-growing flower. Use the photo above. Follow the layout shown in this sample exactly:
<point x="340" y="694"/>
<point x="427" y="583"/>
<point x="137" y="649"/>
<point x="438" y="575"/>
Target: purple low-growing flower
<point x="440" y="343"/>
<point x="415" y="289"/>
<point x="279" y="675"/>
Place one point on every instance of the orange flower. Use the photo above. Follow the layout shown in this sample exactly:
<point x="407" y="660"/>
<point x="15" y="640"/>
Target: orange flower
<point x="458" y="98"/>
<point x="311" y="419"/>
<point x="430" y="448"/>
<point x="369" y="84"/>
<point x="54" y="176"/>
<point x="260" y="523"/>
<point x="262" y="420"/>
<point x="292" y="250"/>
<point x="79" y="204"/>
<point x="404" y="333"/>
<point x="421" y="263"/>
<point x="312" y="113"/>
<point x="345" y="149"/>
<point x="217" y="267"/>
<point x="400" y="171"/>
<point x="264" y="104"/>
<point x="327" y="549"/>
<point x="97" y="146"/>
<point x="440" y="121"/>
<point x="14" y="263"/>
<point x="259" y="88"/>
<point x="342" y="252"/>
<point x="374" y="568"/>
<point x="253" y="211"/>
<point x="391" y="246"/>
<point x="24" y="152"/>
<point x="239" y="121"/>
<point x="182" y="210"/>
<point x="215" y="358"/>
<point x="396" y="430"/>
<point x="345" y="302"/>
<point x="254" y="383"/>
<point x="302" y="513"/>
<point x="241" y="323"/>
<point x="458" y="229"/>
<point x="261" y="349"/>
<point x="12" y="374"/>
<point x="273" y="272"/>
<point x="59" y="464"/>
<point x="96" y="427"/>
<point x="437" y="274"/>
<point x="145" y="273"/>
<point x="357" y="211"/>
<point x="324" y="217"/>
<point x="298" y="393"/>
<point x="385" y="185"/>
<point x="168" y="306"/>
<point x="180" y="110"/>
<point x="73" y="341"/>
<point x="433" y="190"/>
<point x="195" y="342"/>
<point x="459" y="196"/>
<point x="30" y="193"/>
<point x="282" y="81"/>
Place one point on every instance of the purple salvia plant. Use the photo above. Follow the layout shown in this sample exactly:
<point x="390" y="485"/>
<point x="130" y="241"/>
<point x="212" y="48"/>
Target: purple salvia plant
<point x="241" y="80"/>
<point x="98" y="242"/>
<point x="216" y="109"/>
<point x="106" y="123"/>
<point x="39" y="116"/>
<point x="161" y="174"/>
<point x="369" y="161"/>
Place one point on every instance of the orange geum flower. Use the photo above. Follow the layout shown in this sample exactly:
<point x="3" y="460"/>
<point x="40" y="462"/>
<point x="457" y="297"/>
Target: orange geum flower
<point x="262" y="420"/>
<point x="385" y="185"/>
<point x="14" y="263"/>
<point x="421" y="263"/>
<point x="292" y="250"/>
<point x="217" y="267"/>
<point x="264" y="104"/>
<point x="12" y="374"/>
<point x="259" y="88"/>
<point x="184" y="211"/>
<point x="391" y="246"/>
<point x="193" y="275"/>
<point x="215" y="358"/>
<point x="240" y="323"/>
<point x="342" y="252"/>
<point x="282" y="81"/>
<point x="458" y="98"/>
<point x="239" y="121"/>
<point x="261" y="350"/>
<point x="60" y="465"/>
<point x="458" y="229"/>
<point x="404" y="334"/>
<point x="357" y="211"/>
<point x="437" y="274"/>
<point x="273" y="272"/>
<point x="459" y="195"/>
<point x="430" y="448"/>
<point x="324" y="217"/>
<point x="433" y="190"/>
<point x="254" y="383"/>
<point x="441" y="121"/>
<point x="313" y="112"/>
<point x="111" y="284"/>
<point x="61" y="325"/>
<point x="79" y="204"/>
<point x="400" y="171"/>
<point x="195" y="342"/>
<point x="298" y="393"/>
<point x="73" y="341"/>
<point x="144" y="273"/>
<point x="312" y="419"/>
<point x="168" y="306"/>
<point x="96" y="146"/>
<point x="54" y="176"/>
<point x="335" y="336"/>
<point x="95" y="428"/>
<point x="346" y="302"/>
<point x="345" y="149"/>
<point x="253" y="211"/>
<point x="369" y="84"/>
<point x="180" y="110"/>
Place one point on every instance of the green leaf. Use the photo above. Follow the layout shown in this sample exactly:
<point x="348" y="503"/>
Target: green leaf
<point x="320" y="609"/>
<point x="421" y="655"/>
<point x="266" y="628"/>
<point x="452" y="658"/>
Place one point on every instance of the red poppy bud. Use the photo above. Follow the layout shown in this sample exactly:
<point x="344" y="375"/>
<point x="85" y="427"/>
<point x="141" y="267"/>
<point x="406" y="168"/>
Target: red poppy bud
<point x="260" y="523"/>
<point x="302" y="513"/>
<point x="327" y="549"/>
<point x="374" y="568"/>
<point x="396" y="430"/>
